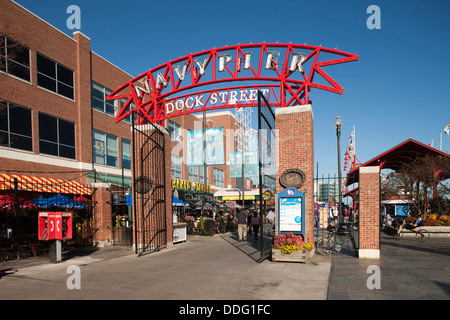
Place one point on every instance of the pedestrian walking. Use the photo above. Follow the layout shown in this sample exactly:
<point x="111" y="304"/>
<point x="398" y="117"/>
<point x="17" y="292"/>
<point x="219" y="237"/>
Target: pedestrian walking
<point x="255" y="225"/>
<point x="249" y="222"/>
<point x="241" y="218"/>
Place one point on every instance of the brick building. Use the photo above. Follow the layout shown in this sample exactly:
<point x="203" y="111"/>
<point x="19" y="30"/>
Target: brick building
<point x="55" y="121"/>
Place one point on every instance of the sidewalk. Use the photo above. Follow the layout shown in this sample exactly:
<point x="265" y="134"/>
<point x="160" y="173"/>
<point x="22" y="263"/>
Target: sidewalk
<point x="409" y="269"/>
<point x="221" y="268"/>
<point x="203" y="268"/>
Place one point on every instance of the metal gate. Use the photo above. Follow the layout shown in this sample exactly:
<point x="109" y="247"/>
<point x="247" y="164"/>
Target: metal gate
<point x="327" y="215"/>
<point x="149" y="188"/>
<point x="267" y="172"/>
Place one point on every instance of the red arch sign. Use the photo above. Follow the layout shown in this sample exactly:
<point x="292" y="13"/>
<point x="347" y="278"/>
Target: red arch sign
<point x="285" y="73"/>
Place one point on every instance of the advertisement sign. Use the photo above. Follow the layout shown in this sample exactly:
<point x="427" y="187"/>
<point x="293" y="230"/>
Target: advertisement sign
<point x="194" y="148"/>
<point x="291" y="211"/>
<point x="214" y="147"/>
<point x="251" y="165"/>
<point x="235" y="164"/>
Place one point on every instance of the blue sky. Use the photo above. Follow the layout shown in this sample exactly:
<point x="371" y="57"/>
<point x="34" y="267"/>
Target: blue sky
<point x="398" y="89"/>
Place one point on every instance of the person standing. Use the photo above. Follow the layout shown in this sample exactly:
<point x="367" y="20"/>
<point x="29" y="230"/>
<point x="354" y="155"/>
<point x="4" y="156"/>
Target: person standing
<point x="255" y="225"/>
<point x="241" y="218"/>
<point x="271" y="218"/>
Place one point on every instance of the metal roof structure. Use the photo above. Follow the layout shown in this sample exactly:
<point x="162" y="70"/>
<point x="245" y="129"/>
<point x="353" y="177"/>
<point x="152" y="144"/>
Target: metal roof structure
<point x="395" y="157"/>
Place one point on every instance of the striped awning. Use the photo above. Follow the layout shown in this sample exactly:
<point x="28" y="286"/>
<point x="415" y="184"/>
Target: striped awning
<point x="47" y="185"/>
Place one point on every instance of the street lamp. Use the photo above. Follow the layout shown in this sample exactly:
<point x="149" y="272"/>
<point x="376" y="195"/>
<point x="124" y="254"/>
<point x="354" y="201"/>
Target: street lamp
<point x="338" y="124"/>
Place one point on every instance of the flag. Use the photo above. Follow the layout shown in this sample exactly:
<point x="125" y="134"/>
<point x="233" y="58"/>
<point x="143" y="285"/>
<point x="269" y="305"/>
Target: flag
<point x="447" y="129"/>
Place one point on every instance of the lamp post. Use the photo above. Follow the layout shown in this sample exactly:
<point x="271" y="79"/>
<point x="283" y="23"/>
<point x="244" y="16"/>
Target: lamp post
<point x="338" y="124"/>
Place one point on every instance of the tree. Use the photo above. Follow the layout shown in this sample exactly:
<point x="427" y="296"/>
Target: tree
<point x="425" y="183"/>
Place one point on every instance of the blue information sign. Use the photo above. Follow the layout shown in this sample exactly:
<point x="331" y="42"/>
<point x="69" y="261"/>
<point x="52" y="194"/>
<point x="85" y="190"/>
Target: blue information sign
<point x="291" y="211"/>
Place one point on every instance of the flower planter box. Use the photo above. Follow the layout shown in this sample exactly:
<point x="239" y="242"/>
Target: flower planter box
<point x="295" y="256"/>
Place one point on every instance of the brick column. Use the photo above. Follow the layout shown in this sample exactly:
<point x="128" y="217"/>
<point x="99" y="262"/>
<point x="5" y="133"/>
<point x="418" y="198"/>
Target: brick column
<point x="369" y="212"/>
<point x="102" y="214"/>
<point x="295" y="149"/>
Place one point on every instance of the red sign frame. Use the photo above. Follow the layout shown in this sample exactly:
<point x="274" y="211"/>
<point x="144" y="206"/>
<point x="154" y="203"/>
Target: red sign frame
<point x="289" y="71"/>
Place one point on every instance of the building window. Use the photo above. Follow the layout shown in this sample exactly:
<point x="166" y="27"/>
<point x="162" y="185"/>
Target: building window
<point x="218" y="177"/>
<point x="176" y="166"/>
<point x="98" y="99"/>
<point x="54" y="76"/>
<point x="175" y="131"/>
<point x="126" y="154"/>
<point x="15" y="126"/>
<point x="130" y="107"/>
<point x="104" y="148"/>
<point x="193" y="174"/>
<point x="14" y="58"/>
<point x="56" y="136"/>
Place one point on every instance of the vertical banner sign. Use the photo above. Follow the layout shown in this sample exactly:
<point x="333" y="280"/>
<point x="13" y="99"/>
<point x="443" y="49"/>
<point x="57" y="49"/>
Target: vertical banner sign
<point x="194" y="148"/>
<point x="251" y="168"/>
<point x="214" y="146"/>
<point x="235" y="164"/>
<point x="251" y="164"/>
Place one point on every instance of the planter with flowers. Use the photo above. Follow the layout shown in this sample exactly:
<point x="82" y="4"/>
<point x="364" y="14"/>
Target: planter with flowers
<point x="289" y="247"/>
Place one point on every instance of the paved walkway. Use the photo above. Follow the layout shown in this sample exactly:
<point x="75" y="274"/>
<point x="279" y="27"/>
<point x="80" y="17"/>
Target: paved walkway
<point x="408" y="269"/>
<point x="204" y="268"/>
<point x="221" y="268"/>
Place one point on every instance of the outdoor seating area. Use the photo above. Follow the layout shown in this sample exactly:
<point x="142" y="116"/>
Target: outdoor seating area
<point x="19" y="212"/>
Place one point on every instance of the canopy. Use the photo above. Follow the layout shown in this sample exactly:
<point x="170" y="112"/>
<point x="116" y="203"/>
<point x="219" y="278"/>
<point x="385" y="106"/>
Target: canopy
<point x="58" y="201"/>
<point x="8" y="201"/>
<point x="177" y="202"/>
<point x="395" y="157"/>
<point x="50" y="185"/>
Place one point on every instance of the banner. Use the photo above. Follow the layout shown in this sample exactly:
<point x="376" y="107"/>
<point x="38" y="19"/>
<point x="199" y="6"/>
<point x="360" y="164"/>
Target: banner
<point x="251" y="168"/>
<point x="214" y="147"/>
<point x="235" y="164"/>
<point x="251" y="164"/>
<point x="194" y="148"/>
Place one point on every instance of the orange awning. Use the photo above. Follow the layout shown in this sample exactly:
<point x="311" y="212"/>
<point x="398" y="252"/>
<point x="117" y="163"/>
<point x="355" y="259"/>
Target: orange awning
<point x="39" y="184"/>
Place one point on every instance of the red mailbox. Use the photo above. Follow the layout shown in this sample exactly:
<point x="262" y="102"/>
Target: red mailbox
<point x="55" y="225"/>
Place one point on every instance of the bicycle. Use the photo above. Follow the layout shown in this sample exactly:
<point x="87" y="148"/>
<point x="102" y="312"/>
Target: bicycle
<point x="421" y="234"/>
<point x="326" y="246"/>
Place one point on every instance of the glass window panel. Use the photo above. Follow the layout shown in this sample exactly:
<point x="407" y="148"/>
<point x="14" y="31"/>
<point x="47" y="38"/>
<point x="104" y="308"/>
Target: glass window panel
<point x="3" y="116"/>
<point x="111" y="145"/>
<point x="97" y="91"/>
<point x="64" y="90"/>
<point x="99" y="158"/>
<point x="46" y="66"/>
<point x="65" y="75"/>
<point x="48" y="128"/>
<point x="97" y="104"/>
<point x="4" y="139"/>
<point x="111" y="161"/>
<point x="46" y="82"/>
<point x="21" y="55"/>
<point x="66" y="152"/>
<point x="48" y="148"/>
<point x="2" y="63"/>
<point x="20" y="120"/>
<point x="21" y="142"/>
<point x="110" y="109"/>
<point x="126" y="154"/>
<point x="18" y="70"/>
<point x="66" y="133"/>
